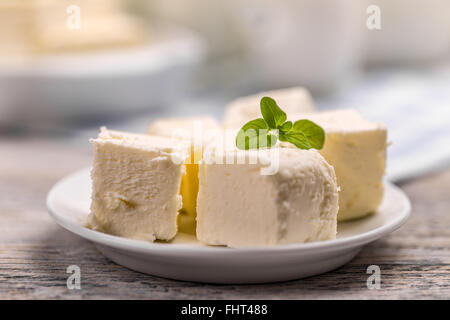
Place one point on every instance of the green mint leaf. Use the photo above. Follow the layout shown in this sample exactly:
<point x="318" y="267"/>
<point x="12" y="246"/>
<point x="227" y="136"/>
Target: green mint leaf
<point x="282" y="136"/>
<point x="258" y="133"/>
<point x="255" y="134"/>
<point x="286" y="127"/>
<point x="296" y="138"/>
<point x="314" y="134"/>
<point x="272" y="113"/>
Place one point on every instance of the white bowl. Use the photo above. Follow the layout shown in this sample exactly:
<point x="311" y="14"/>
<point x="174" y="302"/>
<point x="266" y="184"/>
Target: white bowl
<point x="187" y="259"/>
<point x="110" y="82"/>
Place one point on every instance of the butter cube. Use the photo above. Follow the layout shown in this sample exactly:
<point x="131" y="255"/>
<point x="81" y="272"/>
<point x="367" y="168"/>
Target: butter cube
<point x="135" y="185"/>
<point x="238" y="206"/>
<point x="356" y="148"/>
<point x="191" y="129"/>
<point x="242" y="110"/>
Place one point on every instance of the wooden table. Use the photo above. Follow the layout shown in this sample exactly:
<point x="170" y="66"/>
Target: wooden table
<point x="35" y="252"/>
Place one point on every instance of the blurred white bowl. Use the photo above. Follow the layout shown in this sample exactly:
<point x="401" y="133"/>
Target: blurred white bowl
<point x="307" y="42"/>
<point x="285" y="43"/>
<point x="108" y="83"/>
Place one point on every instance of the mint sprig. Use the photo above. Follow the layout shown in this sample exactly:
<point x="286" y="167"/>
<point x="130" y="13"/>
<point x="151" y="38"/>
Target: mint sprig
<point x="264" y="132"/>
<point x="272" y="113"/>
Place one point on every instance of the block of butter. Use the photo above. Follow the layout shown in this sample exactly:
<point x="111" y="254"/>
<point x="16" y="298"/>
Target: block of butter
<point x="50" y="26"/>
<point x="193" y="130"/>
<point x="167" y="127"/>
<point x="119" y="30"/>
<point x="135" y="185"/>
<point x="356" y="148"/>
<point x="242" y="110"/>
<point x="238" y="206"/>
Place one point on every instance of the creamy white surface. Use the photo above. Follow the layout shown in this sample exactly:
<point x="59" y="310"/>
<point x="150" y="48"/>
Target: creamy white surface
<point x="136" y="181"/>
<point x="356" y="148"/>
<point x="167" y="127"/>
<point x="42" y="26"/>
<point x="242" y="110"/>
<point x="96" y="33"/>
<point x="237" y="206"/>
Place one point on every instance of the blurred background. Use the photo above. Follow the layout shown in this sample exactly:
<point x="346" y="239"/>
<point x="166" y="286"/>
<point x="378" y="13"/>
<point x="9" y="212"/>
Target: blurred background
<point x="67" y="67"/>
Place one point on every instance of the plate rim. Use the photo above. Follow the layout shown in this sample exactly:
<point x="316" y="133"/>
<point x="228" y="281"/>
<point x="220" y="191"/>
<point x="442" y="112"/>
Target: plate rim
<point x="141" y="246"/>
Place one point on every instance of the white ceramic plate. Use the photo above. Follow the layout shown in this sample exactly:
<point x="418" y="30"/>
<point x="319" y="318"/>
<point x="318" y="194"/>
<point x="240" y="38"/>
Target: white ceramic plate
<point x="186" y="259"/>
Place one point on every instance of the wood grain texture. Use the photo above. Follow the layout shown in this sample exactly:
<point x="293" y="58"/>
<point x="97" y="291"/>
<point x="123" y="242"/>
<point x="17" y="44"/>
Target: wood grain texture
<point x="35" y="252"/>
